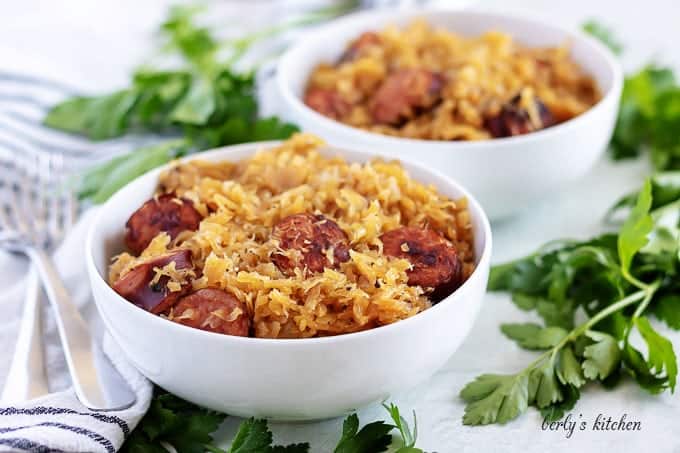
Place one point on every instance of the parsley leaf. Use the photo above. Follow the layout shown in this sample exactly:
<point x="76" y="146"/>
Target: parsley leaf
<point x="602" y="357"/>
<point x="253" y="436"/>
<point x="97" y="117"/>
<point x="105" y="180"/>
<point x="648" y="117"/>
<point x="561" y="277"/>
<point x="665" y="188"/>
<point x="569" y="369"/>
<point x="604" y="34"/>
<point x="495" y="398"/>
<point x="638" y="368"/>
<point x="544" y="388"/>
<point x="533" y="336"/>
<point x="174" y="421"/>
<point x="197" y="105"/>
<point x="408" y="437"/>
<point x="194" y="43"/>
<point x="372" y="438"/>
<point x="661" y="355"/>
<point x="634" y="232"/>
<point x="556" y="411"/>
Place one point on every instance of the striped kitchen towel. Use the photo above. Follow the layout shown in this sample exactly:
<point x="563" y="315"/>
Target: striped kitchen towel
<point x="25" y="100"/>
<point x="58" y="423"/>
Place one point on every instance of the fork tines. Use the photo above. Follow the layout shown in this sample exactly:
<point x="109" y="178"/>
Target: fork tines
<point x="35" y="197"/>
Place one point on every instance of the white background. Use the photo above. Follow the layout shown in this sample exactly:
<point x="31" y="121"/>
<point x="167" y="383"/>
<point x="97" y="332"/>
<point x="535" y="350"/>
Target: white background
<point x="95" y="44"/>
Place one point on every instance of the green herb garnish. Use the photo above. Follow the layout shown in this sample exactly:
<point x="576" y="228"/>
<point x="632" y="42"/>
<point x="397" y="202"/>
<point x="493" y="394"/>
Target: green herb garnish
<point x="188" y="428"/>
<point x="649" y="113"/>
<point x="253" y="436"/>
<point x="616" y="280"/>
<point x="171" y="420"/>
<point x="649" y="117"/>
<point x="604" y="34"/>
<point x="204" y="103"/>
<point x="373" y="437"/>
<point x="408" y="436"/>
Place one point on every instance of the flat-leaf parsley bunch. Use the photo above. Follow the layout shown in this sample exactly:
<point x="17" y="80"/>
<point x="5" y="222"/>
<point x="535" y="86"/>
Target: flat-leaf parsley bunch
<point x="203" y="103"/>
<point x="618" y="280"/>
<point x="172" y="423"/>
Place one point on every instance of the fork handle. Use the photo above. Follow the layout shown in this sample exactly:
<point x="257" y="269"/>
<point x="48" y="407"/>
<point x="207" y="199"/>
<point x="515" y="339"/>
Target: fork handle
<point x="26" y="378"/>
<point x="83" y="356"/>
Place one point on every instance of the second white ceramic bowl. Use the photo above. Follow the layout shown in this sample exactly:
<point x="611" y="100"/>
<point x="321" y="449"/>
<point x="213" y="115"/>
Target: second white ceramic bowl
<point x="507" y="174"/>
<point x="299" y="379"/>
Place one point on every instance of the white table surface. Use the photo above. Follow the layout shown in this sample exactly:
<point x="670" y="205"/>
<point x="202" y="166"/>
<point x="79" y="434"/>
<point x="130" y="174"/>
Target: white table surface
<point x="96" y="43"/>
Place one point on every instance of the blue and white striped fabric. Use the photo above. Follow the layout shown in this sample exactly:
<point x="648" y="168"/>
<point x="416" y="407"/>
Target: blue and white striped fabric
<point x="24" y="102"/>
<point x="56" y="422"/>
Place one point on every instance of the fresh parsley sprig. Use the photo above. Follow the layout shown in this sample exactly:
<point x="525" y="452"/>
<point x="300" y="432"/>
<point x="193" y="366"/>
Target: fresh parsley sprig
<point x="649" y="118"/>
<point x="665" y="191"/>
<point x="174" y="423"/>
<point x="649" y="113"/>
<point x="604" y="34"/>
<point x="408" y="436"/>
<point x="203" y="103"/>
<point x="616" y="280"/>
<point x="373" y="437"/>
<point x="254" y="436"/>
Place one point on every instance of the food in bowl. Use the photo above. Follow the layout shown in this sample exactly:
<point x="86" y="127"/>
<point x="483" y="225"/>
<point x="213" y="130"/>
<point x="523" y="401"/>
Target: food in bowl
<point x="291" y="244"/>
<point x="430" y="83"/>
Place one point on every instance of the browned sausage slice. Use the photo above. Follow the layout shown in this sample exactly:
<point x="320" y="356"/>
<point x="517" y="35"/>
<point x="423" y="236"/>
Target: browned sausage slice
<point x="135" y="284"/>
<point x="327" y="102"/>
<point x="359" y="46"/>
<point x="404" y="94"/>
<point x="164" y="213"/>
<point x="213" y="310"/>
<point x="312" y="236"/>
<point x="515" y="120"/>
<point x="434" y="259"/>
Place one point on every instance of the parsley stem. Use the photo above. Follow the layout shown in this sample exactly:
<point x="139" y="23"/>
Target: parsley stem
<point x="634" y="281"/>
<point x="644" y="294"/>
<point x="651" y="289"/>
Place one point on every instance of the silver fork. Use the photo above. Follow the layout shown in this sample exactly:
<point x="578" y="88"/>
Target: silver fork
<point x="34" y="214"/>
<point x="26" y="378"/>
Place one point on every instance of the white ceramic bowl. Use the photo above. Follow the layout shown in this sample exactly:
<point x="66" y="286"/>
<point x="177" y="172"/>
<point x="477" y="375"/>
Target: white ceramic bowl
<point x="506" y="174"/>
<point x="294" y="379"/>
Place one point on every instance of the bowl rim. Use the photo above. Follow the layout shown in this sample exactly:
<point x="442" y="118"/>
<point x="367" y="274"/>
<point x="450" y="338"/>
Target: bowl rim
<point x="306" y="39"/>
<point x="349" y="153"/>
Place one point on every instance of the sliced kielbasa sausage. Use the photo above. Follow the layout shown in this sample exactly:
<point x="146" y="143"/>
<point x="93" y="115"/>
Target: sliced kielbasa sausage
<point x="327" y="102"/>
<point x="213" y="310"/>
<point x="136" y="284"/>
<point x="404" y="94"/>
<point x="515" y="120"/>
<point x="163" y="213"/>
<point x="312" y="236"/>
<point x="435" y="262"/>
<point x="359" y="46"/>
